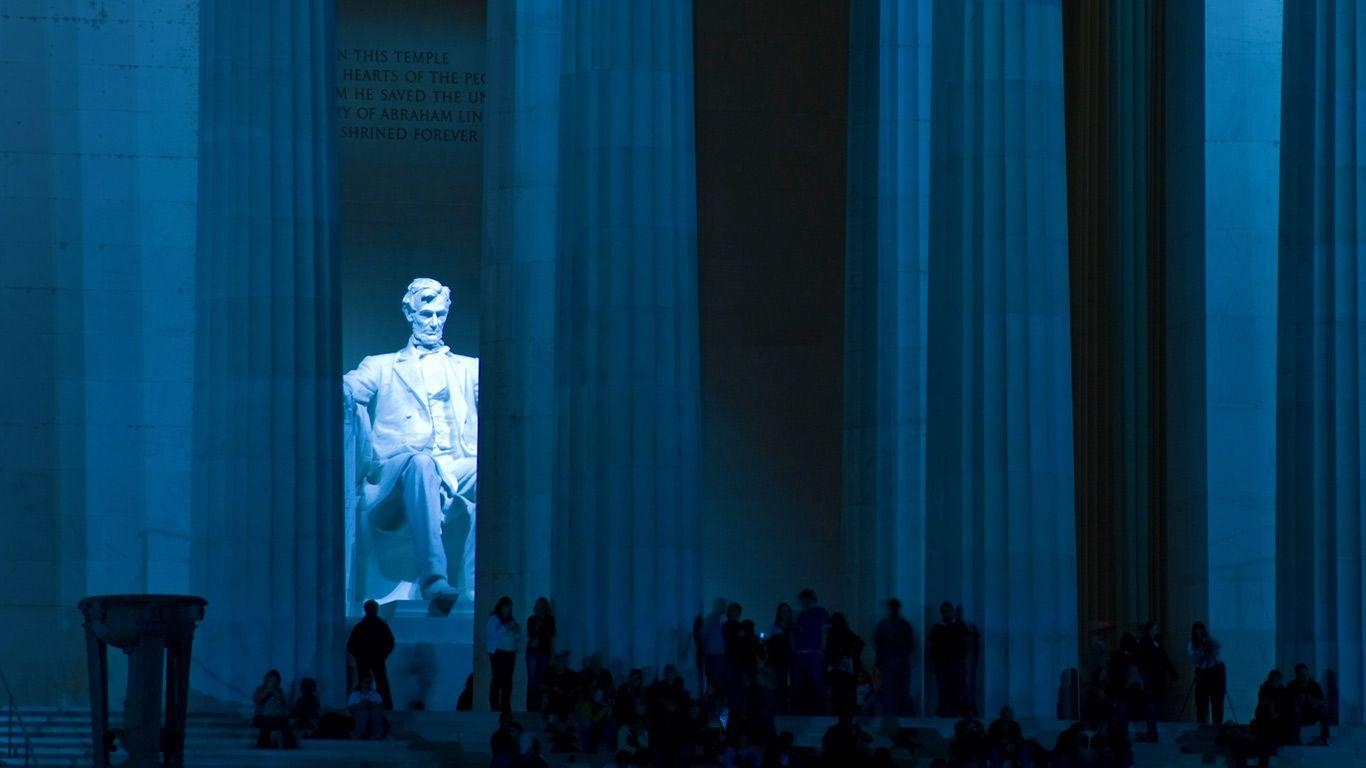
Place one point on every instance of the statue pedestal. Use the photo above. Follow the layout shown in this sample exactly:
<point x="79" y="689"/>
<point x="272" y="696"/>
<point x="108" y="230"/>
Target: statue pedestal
<point x="156" y="632"/>
<point x="432" y="654"/>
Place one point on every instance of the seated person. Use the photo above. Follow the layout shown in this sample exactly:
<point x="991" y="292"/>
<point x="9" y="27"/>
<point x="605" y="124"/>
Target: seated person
<point x="307" y="708"/>
<point x="1308" y="705"/>
<point x="1111" y="746"/>
<point x="559" y="685"/>
<point x="737" y="754"/>
<point x="781" y="751"/>
<point x="529" y="752"/>
<point x="1271" y="721"/>
<point x="465" y="701"/>
<point x="635" y="744"/>
<point x="845" y="743"/>
<point x="1072" y="749"/>
<point x="591" y="714"/>
<point x="367" y="707"/>
<point x="969" y="743"/>
<point x="505" y="743"/>
<point x="1005" y="737"/>
<point x="272" y="713"/>
<point x="563" y="733"/>
<point x="882" y="758"/>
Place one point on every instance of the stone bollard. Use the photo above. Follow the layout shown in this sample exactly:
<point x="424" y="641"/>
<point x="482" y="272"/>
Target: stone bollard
<point x="156" y="632"/>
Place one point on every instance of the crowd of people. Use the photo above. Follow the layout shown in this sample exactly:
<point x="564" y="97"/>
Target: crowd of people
<point x="806" y="661"/>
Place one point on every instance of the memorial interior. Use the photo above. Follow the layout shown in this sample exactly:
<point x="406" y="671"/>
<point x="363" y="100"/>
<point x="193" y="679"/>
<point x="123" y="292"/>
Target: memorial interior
<point x="1047" y="308"/>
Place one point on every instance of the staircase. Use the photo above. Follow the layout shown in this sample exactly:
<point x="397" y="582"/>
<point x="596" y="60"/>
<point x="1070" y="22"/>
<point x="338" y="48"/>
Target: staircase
<point x="61" y="737"/>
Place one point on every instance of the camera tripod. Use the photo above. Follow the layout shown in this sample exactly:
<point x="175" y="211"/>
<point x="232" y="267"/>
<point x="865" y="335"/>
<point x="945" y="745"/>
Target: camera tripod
<point x="1191" y="689"/>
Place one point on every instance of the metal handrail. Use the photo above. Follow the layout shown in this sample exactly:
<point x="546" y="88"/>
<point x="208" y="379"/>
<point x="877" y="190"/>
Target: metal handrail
<point x="14" y="716"/>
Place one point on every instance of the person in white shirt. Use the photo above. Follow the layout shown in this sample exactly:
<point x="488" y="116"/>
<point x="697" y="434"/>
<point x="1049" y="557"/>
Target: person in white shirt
<point x="367" y="707"/>
<point x="502" y="638"/>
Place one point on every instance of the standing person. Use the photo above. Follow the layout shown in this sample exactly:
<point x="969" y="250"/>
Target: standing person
<point x="844" y="660"/>
<point x="714" y="648"/>
<point x="736" y="648"/>
<point x="370" y="644"/>
<point x="1157" y="671"/>
<point x="949" y="661"/>
<point x="808" y="655"/>
<point x="893" y="644"/>
<point x="1210" y="678"/>
<point x="700" y="653"/>
<point x="973" y="663"/>
<point x="540" y="646"/>
<point x="501" y="640"/>
<point x="778" y="659"/>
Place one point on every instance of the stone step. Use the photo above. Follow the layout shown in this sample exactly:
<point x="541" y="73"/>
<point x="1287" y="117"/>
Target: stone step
<point x="61" y="738"/>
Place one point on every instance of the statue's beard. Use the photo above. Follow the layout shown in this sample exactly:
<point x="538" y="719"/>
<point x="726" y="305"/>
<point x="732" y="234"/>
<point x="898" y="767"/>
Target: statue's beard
<point x="430" y="340"/>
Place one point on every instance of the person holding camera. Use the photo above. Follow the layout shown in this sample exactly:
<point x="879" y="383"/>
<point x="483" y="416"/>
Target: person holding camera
<point x="1211" y="680"/>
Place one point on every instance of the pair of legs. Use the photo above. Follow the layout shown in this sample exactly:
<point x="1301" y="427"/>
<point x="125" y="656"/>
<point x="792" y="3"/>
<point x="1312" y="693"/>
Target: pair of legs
<point x="537" y="662"/>
<point x="1211" y="685"/>
<point x="369" y="722"/>
<point x="265" y="726"/>
<point x="808" y="683"/>
<point x="502" y="664"/>
<point x="896" y="687"/>
<point x="1309" y="714"/>
<point x="951" y="683"/>
<point x="428" y="486"/>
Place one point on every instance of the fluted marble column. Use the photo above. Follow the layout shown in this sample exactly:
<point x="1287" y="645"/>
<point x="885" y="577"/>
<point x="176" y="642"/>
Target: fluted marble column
<point x="1001" y="536"/>
<point x="1115" y="184"/>
<point x="1322" y="309"/>
<point x="517" y="328"/>
<point x="1220" y="232"/>
<point x="625" y="520"/>
<point x="886" y="308"/>
<point x="267" y="550"/>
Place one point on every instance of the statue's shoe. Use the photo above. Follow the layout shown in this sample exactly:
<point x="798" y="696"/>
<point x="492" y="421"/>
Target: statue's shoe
<point x="441" y="597"/>
<point x="439" y="589"/>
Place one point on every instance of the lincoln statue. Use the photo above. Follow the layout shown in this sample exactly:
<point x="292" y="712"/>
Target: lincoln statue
<point x="415" y="466"/>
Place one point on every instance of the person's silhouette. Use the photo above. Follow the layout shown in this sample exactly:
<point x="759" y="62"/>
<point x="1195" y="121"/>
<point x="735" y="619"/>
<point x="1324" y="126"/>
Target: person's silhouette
<point x="370" y="644"/>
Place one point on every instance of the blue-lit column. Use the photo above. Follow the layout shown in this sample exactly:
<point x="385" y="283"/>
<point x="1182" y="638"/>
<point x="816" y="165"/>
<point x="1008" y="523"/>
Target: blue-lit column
<point x="1322" y="309"/>
<point x="1223" y="121"/>
<point x="886" y="308"/>
<point x="517" y="327"/>
<point x="1000" y="520"/>
<point x="268" y="549"/>
<point x="625" y="519"/>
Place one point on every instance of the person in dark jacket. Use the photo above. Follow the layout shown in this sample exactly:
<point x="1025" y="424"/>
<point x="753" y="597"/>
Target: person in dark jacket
<point x="844" y="660"/>
<point x="370" y="644"/>
<point x="540" y="647"/>
<point x="950" y="645"/>
<point x="893" y="645"/>
<point x="1307" y="703"/>
<point x="1157" y="671"/>
<point x="778" y="657"/>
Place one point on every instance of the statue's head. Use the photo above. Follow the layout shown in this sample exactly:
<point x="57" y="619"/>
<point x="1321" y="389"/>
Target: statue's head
<point x="426" y="305"/>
